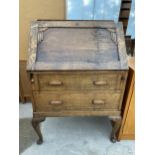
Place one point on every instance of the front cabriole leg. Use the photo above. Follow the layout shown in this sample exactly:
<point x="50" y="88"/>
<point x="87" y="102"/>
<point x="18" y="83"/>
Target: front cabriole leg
<point x="116" y="124"/>
<point x="35" y="123"/>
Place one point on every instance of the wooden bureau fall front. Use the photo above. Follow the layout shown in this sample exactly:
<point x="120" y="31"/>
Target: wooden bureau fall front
<point x="77" y="68"/>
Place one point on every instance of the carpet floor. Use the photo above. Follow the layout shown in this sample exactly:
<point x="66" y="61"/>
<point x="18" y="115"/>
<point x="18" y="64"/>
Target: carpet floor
<point x="69" y="136"/>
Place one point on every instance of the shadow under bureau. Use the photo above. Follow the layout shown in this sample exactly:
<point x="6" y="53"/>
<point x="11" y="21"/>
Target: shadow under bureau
<point x="77" y="68"/>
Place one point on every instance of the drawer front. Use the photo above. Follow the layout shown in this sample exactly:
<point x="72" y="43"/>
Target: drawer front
<point x="79" y="81"/>
<point x="74" y="100"/>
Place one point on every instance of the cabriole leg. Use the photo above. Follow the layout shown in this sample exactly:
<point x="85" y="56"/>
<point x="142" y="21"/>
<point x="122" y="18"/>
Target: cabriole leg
<point x="116" y="123"/>
<point x="35" y="123"/>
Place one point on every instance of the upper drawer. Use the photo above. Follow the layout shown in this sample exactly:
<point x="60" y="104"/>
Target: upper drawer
<point x="79" y="80"/>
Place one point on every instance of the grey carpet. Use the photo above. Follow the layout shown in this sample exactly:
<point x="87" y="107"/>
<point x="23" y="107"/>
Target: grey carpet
<point x="69" y="136"/>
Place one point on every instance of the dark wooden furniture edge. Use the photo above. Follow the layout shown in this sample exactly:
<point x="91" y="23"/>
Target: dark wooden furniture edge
<point x="76" y="113"/>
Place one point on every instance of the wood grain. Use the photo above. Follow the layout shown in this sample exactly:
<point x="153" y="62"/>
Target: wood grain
<point x="100" y="46"/>
<point x="127" y="130"/>
<point x="80" y="80"/>
<point x="77" y="68"/>
<point x="85" y="112"/>
<point x="77" y="23"/>
<point x="121" y="46"/>
<point x="32" y="46"/>
<point x="75" y="100"/>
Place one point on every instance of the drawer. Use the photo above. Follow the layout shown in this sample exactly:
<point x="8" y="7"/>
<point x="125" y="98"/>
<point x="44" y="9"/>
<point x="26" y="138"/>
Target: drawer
<point x="80" y="81"/>
<point x="74" y="100"/>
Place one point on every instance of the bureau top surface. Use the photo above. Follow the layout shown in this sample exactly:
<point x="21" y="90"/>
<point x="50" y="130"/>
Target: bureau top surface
<point x="76" y="45"/>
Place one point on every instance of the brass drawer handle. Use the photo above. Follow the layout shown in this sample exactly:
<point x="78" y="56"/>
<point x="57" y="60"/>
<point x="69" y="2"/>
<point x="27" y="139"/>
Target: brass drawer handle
<point x="55" y="83"/>
<point x="55" y="102"/>
<point x="100" y="83"/>
<point x="98" y="102"/>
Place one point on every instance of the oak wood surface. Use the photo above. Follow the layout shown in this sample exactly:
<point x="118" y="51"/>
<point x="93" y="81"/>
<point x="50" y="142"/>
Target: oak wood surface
<point x="77" y="68"/>
<point x="85" y="112"/>
<point x="127" y="130"/>
<point x="88" y="45"/>
<point x="80" y="45"/>
<point x="130" y="118"/>
<point x="76" y="23"/>
<point x="80" y="80"/>
<point x="76" y="100"/>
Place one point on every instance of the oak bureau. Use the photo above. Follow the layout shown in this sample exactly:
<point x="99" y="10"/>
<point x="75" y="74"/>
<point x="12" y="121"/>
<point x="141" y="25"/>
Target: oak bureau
<point x="77" y="68"/>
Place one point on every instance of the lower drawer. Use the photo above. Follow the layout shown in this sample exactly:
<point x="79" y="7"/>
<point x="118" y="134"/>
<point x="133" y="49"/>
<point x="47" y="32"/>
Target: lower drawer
<point x="61" y="101"/>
